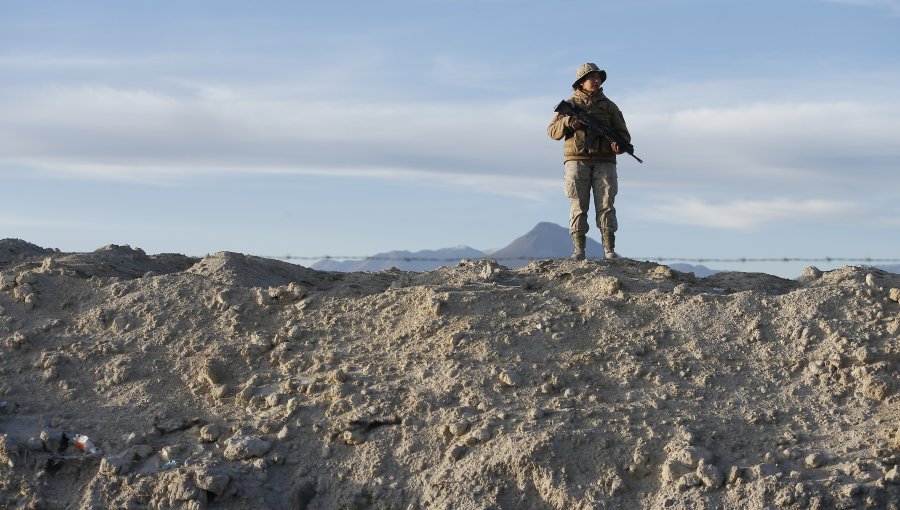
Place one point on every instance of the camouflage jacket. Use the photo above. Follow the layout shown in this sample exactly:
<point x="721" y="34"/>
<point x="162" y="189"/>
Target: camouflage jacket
<point x="602" y="108"/>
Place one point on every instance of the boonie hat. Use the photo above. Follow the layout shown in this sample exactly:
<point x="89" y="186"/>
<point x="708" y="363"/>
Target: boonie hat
<point x="585" y="70"/>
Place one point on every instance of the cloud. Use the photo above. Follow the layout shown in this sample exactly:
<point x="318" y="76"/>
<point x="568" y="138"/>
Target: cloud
<point x="735" y="140"/>
<point x="769" y="135"/>
<point x="893" y="222"/>
<point x="34" y="62"/>
<point x="522" y="187"/>
<point x="464" y="73"/>
<point x="228" y="127"/>
<point x="763" y="137"/>
<point x="35" y="221"/>
<point x="746" y="214"/>
<point x="892" y="5"/>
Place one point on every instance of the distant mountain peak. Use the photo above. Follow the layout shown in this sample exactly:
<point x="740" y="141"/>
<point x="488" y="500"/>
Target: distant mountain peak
<point x="546" y="240"/>
<point x="547" y="228"/>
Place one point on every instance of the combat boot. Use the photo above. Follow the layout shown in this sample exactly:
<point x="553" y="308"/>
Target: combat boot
<point x="609" y="244"/>
<point x="580" y="243"/>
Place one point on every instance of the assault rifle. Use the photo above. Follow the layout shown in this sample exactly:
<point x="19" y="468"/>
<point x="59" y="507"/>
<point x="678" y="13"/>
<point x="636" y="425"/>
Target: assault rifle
<point x="595" y="128"/>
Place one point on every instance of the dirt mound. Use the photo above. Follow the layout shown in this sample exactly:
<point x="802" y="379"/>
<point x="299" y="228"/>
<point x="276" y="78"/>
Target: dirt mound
<point x="235" y="269"/>
<point x="17" y="250"/>
<point x="110" y="261"/>
<point x="240" y="382"/>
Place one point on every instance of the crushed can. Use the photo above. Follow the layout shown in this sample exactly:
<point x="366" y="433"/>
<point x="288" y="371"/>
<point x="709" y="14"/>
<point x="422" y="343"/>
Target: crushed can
<point x="84" y="443"/>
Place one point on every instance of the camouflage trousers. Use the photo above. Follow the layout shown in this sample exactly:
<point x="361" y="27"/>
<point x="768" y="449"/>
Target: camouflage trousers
<point x="581" y="178"/>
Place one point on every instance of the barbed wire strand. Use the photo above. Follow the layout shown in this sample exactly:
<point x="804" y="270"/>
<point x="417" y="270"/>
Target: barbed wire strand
<point x="699" y="260"/>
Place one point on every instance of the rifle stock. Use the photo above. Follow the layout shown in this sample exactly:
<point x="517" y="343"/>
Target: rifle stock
<point x="595" y="128"/>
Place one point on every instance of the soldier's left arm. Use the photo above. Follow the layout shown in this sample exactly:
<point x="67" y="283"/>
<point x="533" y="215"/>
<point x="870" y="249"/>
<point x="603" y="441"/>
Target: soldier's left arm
<point x="618" y="122"/>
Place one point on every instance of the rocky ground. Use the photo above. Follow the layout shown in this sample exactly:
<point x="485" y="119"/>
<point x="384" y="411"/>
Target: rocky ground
<point x="239" y="382"/>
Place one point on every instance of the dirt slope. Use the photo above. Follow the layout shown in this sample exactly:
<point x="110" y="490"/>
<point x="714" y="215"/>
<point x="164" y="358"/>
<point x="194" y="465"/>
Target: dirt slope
<point x="241" y="382"/>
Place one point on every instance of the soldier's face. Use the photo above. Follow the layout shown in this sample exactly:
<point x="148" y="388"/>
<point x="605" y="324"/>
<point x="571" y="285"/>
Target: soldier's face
<point x="592" y="82"/>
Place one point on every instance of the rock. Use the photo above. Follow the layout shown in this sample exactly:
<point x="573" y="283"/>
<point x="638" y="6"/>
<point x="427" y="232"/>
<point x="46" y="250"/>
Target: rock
<point x="213" y="372"/>
<point x="608" y="285"/>
<point x="183" y="489"/>
<point x="892" y="476"/>
<point x="218" y="391"/>
<point x="489" y="270"/>
<point x="459" y="427"/>
<point x="482" y="435"/>
<point x="210" y="433"/>
<point x="211" y="480"/>
<point x="691" y="456"/>
<point x="456" y="452"/>
<point x="814" y="460"/>
<point x="761" y="471"/>
<point x="34" y="444"/>
<point x="809" y="274"/>
<point x="52" y="440"/>
<point x="117" y="465"/>
<point x="241" y="447"/>
<point x="876" y="387"/>
<point x="639" y="470"/>
<point x="734" y="473"/>
<point x="171" y="452"/>
<point x="894" y="294"/>
<point x="7" y="281"/>
<point x="687" y="481"/>
<point x="353" y="437"/>
<point x="862" y="355"/>
<point x="510" y="379"/>
<point x="672" y="471"/>
<point x="142" y="451"/>
<point x="784" y="497"/>
<point x="661" y="273"/>
<point x="286" y="432"/>
<point x="710" y="475"/>
<point x="851" y="490"/>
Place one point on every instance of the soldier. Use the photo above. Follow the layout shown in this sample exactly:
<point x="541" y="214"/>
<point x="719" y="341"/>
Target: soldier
<point x="593" y="167"/>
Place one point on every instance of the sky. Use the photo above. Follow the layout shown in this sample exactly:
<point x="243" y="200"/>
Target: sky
<point x="768" y="129"/>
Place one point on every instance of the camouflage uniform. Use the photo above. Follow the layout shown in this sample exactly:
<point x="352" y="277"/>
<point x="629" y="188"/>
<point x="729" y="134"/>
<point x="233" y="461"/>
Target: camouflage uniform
<point x="593" y="168"/>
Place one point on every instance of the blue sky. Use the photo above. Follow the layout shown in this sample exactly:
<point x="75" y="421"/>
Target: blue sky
<point x="768" y="128"/>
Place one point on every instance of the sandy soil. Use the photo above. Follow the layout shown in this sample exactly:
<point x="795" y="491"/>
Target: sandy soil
<point x="240" y="382"/>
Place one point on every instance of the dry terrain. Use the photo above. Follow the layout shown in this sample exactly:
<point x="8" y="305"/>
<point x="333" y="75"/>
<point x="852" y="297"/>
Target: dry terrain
<point x="240" y="382"/>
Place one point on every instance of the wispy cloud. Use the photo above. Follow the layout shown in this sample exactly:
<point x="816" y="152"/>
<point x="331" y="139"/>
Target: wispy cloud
<point x="738" y="140"/>
<point x="94" y="127"/>
<point x="794" y="138"/>
<point x="464" y="73"/>
<point x="33" y="62"/>
<point x="892" y="5"/>
<point x="892" y="222"/>
<point x="746" y="214"/>
<point x="522" y="187"/>
<point x="36" y="221"/>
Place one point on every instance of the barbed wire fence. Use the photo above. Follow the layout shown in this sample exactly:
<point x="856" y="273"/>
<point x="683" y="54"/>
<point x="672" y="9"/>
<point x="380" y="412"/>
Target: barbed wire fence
<point x="696" y="260"/>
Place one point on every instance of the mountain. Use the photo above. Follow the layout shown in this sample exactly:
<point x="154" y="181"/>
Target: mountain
<point x="891" y="268"/>
<point x="545" y="241"/>
<point x="699" y="270"/>
<point x="424" y="260"/>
